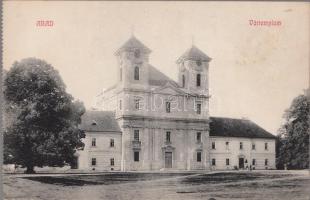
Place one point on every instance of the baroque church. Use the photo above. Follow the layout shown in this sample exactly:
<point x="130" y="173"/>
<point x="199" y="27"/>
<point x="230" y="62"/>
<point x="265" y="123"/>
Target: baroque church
<point x="149" y="122"/>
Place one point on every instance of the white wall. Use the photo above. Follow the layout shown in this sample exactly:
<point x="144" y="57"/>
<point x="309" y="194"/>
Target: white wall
<point x="221" y="153"/>
<point x="102" y="151"/>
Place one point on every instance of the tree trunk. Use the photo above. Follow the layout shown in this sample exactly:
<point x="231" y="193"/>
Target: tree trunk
<point x="30" y="170"/>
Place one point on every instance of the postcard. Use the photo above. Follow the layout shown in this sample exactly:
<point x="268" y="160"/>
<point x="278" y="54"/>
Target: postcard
<point x="155" y="100"/>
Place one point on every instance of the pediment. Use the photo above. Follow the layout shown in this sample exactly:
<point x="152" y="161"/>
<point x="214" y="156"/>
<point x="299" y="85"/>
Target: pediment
<point x="169" y="89"/>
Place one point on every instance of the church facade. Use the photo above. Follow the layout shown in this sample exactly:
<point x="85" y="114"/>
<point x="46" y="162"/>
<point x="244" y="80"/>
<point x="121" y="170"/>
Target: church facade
<point x="148" y="121"/>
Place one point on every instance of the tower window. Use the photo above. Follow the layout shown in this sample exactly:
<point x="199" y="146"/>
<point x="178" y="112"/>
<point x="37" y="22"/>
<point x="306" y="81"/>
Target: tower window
<point x="253" y="162"/>
<point x="168" y="136"/>
<point x="198" y="156"/>
<point x="136" y="75"/>
<point x="93" y="142"/>
<point x="111" y="142"/>
<point x="227" y="145"/>
<point x="167" y="107"/>
<point x="120" y="74"/>
<point x="227" y="161"/>
<point x="266" y="162"/>
<point x="198" y="80"/>
<point x="136" y="156"/>
<point x="241" y="145"/>
<point x="198" y="137"/>
<point x="253" y="146"/>
<point x="136" y="135"/>
<point x="266" y="146"/>
<point x="183" y="80"/>
<point x="112" y="161"/>
<point x="198" y="108"/>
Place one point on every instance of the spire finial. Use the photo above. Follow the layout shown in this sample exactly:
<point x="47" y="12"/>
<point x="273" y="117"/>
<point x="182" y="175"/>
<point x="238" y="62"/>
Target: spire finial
<point x="132" y="30"/>
<point x="193" y="40"/>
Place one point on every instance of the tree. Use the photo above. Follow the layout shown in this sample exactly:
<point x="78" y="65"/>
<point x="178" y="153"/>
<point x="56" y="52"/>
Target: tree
<point x="41" y="117"/>
<point x="293" y="144"/>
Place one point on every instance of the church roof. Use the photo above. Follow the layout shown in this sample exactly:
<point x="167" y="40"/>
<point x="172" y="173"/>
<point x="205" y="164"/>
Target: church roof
<point x="104" y="121"/>
<point x="157" y="78"/>
<point x="194" y="54"/>
<point x="228" y="127"/>
<point x="99" y="121"/>
<point x="132" y="44"/>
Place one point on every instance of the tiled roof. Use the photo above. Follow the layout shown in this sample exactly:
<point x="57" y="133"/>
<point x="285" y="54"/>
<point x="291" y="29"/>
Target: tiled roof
<point x="132" y="44"/>
<point x="228" y="127"/>
<point x="194" y="54"/>
<point x="99" y="121"/>
<point x="104" y="121"/>
<point x="157" y="78"/>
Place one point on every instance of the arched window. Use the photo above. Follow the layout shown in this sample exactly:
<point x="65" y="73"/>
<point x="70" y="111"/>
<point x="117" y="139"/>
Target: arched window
<point x="183" y="80"/>
<point x="136" y="73"/>
<point x="120" y="74"/>
<point x="198" y="80"/>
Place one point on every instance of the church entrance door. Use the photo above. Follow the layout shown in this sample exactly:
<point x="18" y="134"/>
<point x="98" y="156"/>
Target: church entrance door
<point x="241" y="163"/>
<point x="168" y="159"/>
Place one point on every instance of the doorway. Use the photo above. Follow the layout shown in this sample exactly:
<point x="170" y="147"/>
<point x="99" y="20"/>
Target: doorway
<point x="241" y="163"/>
<point x="168" y="159"/>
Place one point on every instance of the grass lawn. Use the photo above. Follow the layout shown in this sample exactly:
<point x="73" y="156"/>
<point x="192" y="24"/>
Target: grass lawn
<point x="284" y="185"/>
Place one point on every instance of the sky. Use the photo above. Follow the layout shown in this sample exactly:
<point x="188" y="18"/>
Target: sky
<point x="255" y="72"/>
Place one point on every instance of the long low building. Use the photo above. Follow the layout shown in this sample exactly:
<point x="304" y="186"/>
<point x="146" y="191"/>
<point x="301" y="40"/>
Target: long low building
<point x="233" y="144"/>
<point x="240" y="143"/>
<point x="147" y="121"/>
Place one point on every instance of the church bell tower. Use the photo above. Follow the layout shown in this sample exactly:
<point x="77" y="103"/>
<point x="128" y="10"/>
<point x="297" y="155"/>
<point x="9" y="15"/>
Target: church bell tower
<point x="133" y="64"/>
<point x="193" y="67"/>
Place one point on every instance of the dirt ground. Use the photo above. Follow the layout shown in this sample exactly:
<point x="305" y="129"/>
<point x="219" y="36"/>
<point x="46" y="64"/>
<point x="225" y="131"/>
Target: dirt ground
<point x="256" y="185"/>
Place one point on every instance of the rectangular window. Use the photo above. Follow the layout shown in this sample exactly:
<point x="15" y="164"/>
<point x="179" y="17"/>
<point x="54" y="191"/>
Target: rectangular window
<point x="198" y="156"/>
<point x="137" y="104"/>
<point x="213" y="145"/>
<point x="227" y="145"/>
<point x="241" y="145"/>
<point x="120" y="74"/>
<point x="136" y="135"/>
<point x="167" y="107"/>
<point x="120" y="104"/>
<point x="198" y="137"/>
<point x="227" y="161"/>
<point x="198" y="108"/>
<point x="111" y="142"/>
<point x="112" y="161"/>
<point x="183" y="80"/>
<point x="253" y="146"/>
<point x="168" y="136"/>
<point x="198" y="80"/>
<point x="266" y="146"/>
<point x="93" y="161"/>
<point x="137" y="73"/>
<point x="253" y="162"/>
<point x="266" y="162"/>
<point x="213" y="162"/>
<point x="136" y="156"/>
<point x="93" y="142"/>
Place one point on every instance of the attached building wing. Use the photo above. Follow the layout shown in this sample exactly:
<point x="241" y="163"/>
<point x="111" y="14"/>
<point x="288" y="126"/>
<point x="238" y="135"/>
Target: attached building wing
<point x="228" y="127"/>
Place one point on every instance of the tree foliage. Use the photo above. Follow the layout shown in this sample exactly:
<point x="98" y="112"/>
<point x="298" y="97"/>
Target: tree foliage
<point x="293" y="139"/>
<point x="41" y="117"/>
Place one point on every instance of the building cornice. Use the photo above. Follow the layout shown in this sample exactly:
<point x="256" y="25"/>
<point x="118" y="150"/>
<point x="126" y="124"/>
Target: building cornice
<point x="185" y="120"/>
